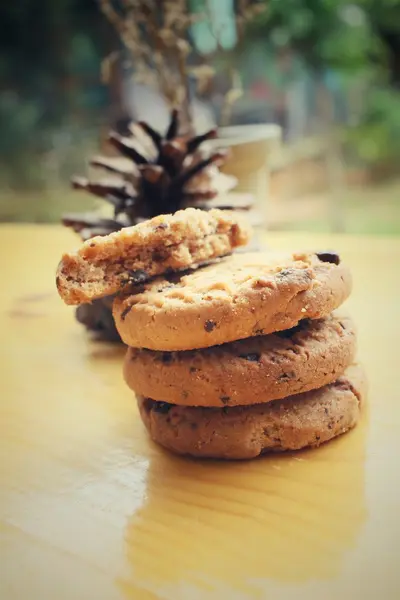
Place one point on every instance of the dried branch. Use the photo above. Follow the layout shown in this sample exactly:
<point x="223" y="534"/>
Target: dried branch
<point x="155" y="33"/>
<point x="107" y="66"/>
<point x="232" y="96"/>
<point x="115" y="18"/>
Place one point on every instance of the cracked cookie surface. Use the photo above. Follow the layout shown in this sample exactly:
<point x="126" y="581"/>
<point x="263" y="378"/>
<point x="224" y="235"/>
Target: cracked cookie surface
<point x="243" y="432"/>
<point x="251" y="371"/>
<point x="241" y="296"/>
<point x="105" y="265"/>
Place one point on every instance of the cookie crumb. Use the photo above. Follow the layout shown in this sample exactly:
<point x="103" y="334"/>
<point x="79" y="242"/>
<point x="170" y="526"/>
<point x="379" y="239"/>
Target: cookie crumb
<point x="263" y="282"/>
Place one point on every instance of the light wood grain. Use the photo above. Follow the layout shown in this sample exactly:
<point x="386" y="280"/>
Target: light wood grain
<point x="90" y="508"/>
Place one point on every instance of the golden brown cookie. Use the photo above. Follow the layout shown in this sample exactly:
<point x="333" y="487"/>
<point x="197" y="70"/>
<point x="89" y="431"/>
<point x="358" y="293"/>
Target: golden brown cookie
<point x="105" y="265"/>
<point x="250" y="371"/>
<point x="240" y="296"/>
<point x="242" y="432"/>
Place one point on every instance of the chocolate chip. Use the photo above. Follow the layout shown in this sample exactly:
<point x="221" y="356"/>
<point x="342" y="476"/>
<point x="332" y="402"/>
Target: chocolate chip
<point x="161" y="226"/>
<point x="184" y="394"/>
<point x="138" y="276"/>
<point x="286" y="376"/>
<point x="225" y="399"/>
<point x="58" y="281"/>
<point x="193" y="425"/>
<point x="209" y="325"/>
<point x="329" y="257"/>
<point x="252" y="357"/>
<point x="125" y="312"/>
<point x="193" y="370"/>
<point x="162" y="407"/>
<point x="342" y="384"/>
<point x="159" y="255"/>
<point x="285" y="273"/>
<point x="258" y="331"/>
<point x="166" y="357"/>
<point x="136" y="287"/>
<point x="176" y="276"/>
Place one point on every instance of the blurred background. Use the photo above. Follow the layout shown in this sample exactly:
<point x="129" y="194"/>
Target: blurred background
<point x="326" y="72"/>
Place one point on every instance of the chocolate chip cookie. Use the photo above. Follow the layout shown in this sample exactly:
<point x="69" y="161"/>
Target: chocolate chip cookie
<point x="243" y="432"/>
<point x="105" y="265"/>
<point x="242" y="295"/>
<point x="250" y="371"/>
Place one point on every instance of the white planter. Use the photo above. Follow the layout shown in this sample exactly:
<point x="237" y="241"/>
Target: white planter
<point x="250" y="150"/>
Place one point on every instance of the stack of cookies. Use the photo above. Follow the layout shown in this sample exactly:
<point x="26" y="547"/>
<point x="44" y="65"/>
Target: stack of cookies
<point x="229" y="355"/>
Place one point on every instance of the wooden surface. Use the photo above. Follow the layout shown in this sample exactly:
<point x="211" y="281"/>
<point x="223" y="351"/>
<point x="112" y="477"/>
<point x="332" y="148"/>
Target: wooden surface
<point x="90" y="508"/>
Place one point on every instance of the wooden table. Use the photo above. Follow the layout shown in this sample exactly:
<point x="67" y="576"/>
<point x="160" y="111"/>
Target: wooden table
<point x="90" y="508"/>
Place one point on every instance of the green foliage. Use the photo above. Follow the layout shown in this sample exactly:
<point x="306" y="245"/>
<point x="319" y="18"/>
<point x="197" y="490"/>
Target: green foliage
<point x="50" y="93"/>
<point x="377" y="137"/>
<point x="351" y="39"/>
<point x="20" y="141"/>
<point x="327" y="33"/>
<point x="34" y="154"/>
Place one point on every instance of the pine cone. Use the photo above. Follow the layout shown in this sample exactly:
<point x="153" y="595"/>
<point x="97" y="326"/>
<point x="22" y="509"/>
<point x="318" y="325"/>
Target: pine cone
<point x="154" y="175"/>
<point x="97" y="317"/>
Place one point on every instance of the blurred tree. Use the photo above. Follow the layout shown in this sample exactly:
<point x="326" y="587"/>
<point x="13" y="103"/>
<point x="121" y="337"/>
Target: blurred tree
<point x="50" y="56"/>
<point x="160" y="39"/>
<point x="346" y="42"/>
<point x="37" y="41"/>
<point x="334" y="33"/>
